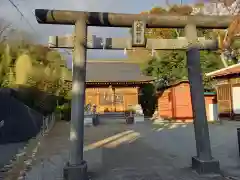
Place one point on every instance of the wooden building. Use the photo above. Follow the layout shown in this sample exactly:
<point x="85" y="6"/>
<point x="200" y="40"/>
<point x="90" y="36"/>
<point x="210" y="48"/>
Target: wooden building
<point x="113" y="85"/>
<point x="174" y="103"/>
<point x="228" y="91"/>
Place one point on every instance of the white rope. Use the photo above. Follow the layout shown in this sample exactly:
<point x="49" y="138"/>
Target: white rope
<point x="125" y="51"/>
<point x="226" y="34"/>
<point x="153" y="52"/>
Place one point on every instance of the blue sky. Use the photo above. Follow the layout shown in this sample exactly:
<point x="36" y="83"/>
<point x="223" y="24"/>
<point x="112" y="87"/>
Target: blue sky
<point x="8" y="12"/>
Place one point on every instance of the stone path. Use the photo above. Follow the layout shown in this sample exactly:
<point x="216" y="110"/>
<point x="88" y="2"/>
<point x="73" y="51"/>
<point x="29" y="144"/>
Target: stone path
<point x="137" y="152"/>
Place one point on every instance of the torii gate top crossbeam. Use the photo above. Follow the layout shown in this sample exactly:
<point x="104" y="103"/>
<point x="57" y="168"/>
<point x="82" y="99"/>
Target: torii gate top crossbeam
<point x="45" y="16"/>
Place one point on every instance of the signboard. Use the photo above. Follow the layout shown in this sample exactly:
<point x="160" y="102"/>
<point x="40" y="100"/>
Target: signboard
<point x="138" y="34"/>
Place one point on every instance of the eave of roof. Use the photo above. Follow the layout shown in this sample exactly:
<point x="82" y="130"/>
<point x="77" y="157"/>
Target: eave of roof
<point x="234" y="69"/>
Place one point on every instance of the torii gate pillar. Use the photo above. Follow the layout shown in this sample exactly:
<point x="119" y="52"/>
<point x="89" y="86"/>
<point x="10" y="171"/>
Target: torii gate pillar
<point x="203" y="163"/>
<point x="76" y="168"/>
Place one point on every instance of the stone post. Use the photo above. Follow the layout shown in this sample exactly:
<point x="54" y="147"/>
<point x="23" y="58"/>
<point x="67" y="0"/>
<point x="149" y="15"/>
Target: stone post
<point x="203" y="162"/>
<point x="76" y="169"/>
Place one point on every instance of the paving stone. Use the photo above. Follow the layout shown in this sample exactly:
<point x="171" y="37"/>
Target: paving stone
<point x="143" y="152"/>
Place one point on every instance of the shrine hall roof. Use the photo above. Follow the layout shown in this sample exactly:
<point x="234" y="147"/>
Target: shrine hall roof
<point x="234" y="69"/>
<point x="114" y="71"/>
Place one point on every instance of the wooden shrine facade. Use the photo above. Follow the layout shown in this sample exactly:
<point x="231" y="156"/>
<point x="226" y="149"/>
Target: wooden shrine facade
<point x="113" y="86"/>
<point x="228" y="91"/>
<point x="111" y="97"/>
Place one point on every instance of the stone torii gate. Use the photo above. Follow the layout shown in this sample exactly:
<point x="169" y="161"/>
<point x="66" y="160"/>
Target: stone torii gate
<point x="76" y="168"/>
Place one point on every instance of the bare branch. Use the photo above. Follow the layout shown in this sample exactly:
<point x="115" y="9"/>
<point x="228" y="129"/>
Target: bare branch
<point x="4" y="26"/>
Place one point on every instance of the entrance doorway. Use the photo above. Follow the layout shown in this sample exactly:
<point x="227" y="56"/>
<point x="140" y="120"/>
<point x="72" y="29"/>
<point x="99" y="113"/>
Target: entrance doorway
<point x="110" y="101"/>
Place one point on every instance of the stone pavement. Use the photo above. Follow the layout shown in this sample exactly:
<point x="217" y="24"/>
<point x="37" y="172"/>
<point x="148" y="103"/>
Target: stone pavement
<point x="137" y="152"/>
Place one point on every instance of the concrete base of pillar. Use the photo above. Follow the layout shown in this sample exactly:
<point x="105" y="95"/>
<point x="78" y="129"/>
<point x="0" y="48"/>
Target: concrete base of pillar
<point x="75" y="172"/>
<point x="205" y="167"/>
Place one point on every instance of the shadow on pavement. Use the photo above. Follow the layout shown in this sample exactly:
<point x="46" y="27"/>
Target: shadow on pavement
<point x="134" y="159"/>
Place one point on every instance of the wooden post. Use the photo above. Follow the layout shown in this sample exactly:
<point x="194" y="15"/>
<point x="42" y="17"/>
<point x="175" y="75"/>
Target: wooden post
<point x="203" y="162"/>
<point x="77" y="168"/>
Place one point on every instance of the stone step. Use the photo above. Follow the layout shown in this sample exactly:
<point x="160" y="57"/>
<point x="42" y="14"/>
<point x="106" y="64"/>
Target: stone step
<point x="112" y="115"/>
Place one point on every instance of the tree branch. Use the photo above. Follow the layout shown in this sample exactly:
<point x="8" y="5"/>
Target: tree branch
<point x="3" y="28"/>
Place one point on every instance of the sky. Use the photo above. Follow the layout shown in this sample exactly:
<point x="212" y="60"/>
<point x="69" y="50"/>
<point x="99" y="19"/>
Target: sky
<point x="9" y="13"/>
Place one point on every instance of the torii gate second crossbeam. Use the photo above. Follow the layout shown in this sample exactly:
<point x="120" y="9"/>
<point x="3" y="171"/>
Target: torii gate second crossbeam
<point x="94" y="42"/>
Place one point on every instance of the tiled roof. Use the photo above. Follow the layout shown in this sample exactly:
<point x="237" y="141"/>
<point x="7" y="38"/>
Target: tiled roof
<point x="106" y="71"/>
<point x="112" y="71"/>
<point x="234" y="69"/>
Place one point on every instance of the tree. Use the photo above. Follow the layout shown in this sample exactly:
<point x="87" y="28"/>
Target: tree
<point x="171" y="67"/>
<point x="159" y="32"/>
<point x="166" y="33"/>
<point x="223" y="7"/>
<point x="35" y="71"/>
<point x="48" y="64"/>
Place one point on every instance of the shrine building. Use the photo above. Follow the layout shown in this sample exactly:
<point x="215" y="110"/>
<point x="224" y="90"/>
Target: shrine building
<point x="227" y="83"/>
<point x="113" y="85"/>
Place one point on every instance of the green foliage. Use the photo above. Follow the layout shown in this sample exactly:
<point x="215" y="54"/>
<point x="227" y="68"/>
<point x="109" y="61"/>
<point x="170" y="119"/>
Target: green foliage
<point x="148" y="99"/>
<point x="210" y="61"/>
<point x="36" y="71"/>
<point x="171" y="67"/>
<point x="167" y="68"/>
<point x="6" y="68"/>
<point x="167" y="33"/>
<point x="64" y="106"/>
<point x="46" y="67"/>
